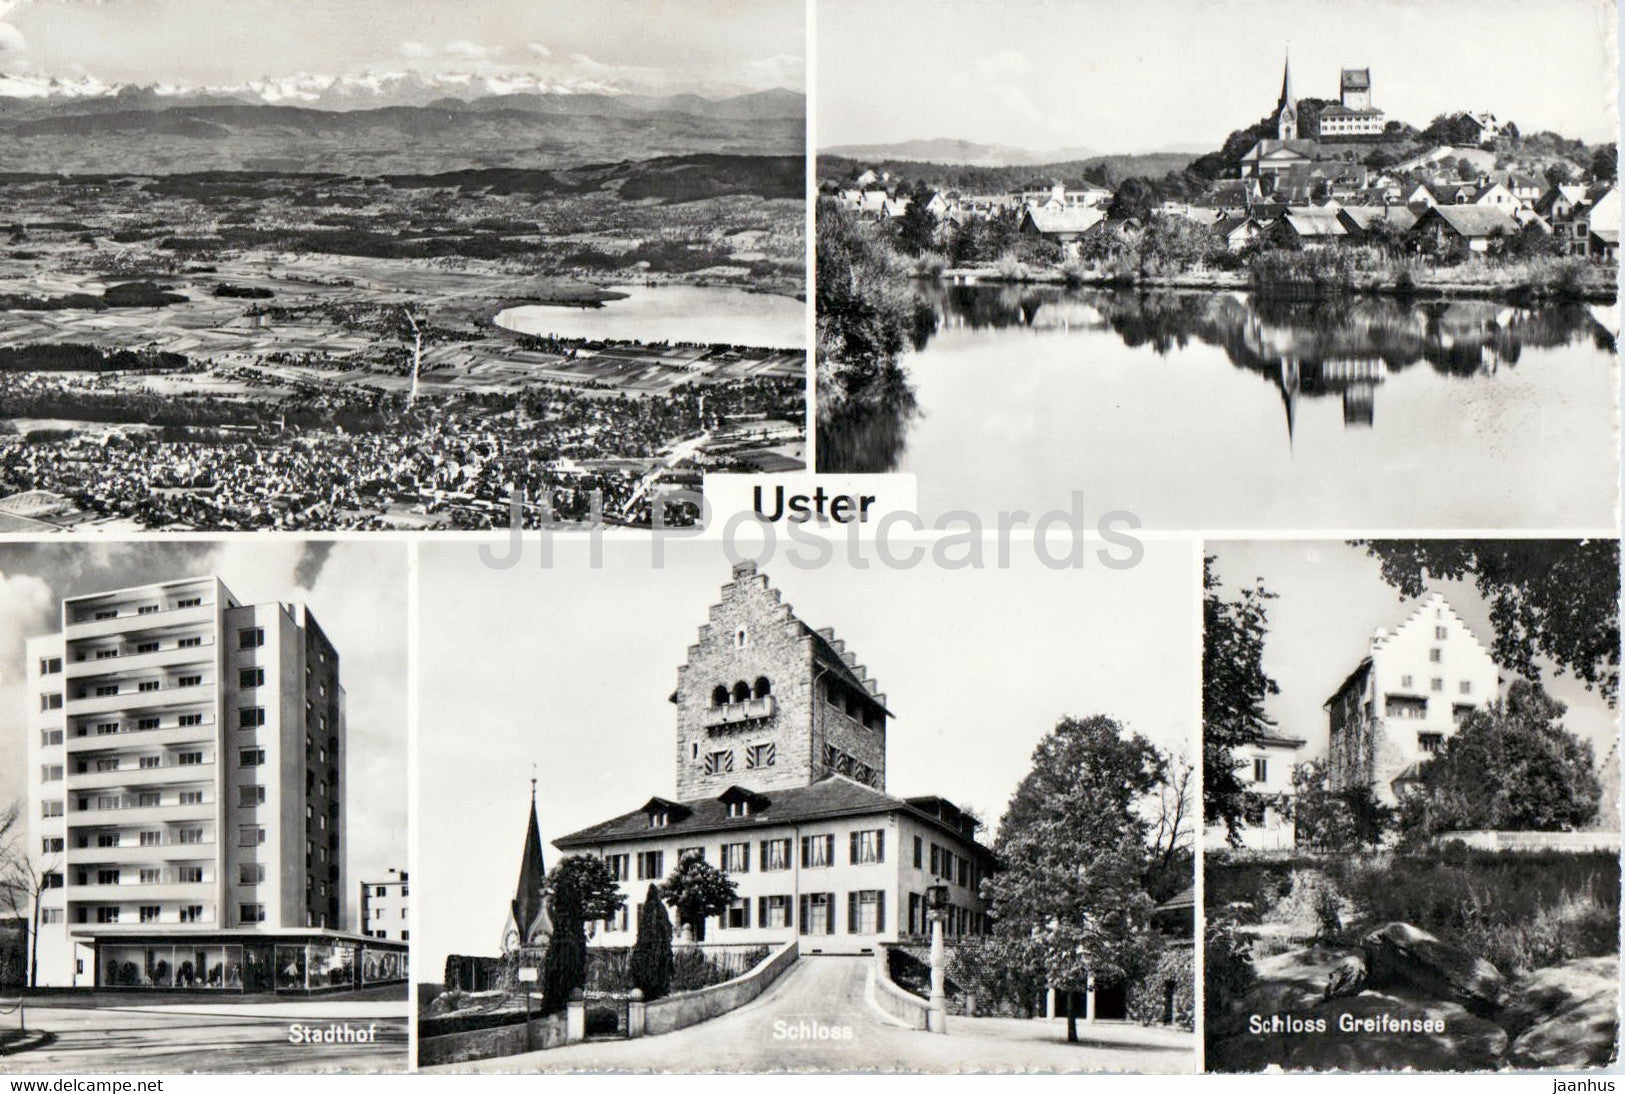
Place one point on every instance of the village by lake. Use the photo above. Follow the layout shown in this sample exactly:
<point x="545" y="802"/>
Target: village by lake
<point x="1365" y="411"/>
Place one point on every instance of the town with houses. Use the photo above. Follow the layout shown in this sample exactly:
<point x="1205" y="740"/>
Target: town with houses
<point x="1323" y="178"/>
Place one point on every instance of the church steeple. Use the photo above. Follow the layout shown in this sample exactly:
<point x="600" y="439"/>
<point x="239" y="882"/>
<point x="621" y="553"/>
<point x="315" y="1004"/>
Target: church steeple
<point x="528" y="921"/>
<point x="1286" y="118"/>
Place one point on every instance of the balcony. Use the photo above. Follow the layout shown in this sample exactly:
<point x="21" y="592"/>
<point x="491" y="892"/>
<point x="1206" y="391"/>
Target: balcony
<point x="130" y="622"/>
<point x="730" y="714"/>
<point x="131" y="738"/>
<point x="140" y="815"/>
<point x="132" y="853"/>
<point x="131" y="775"/>
<point x="172" y="657"/>
<point x="129" y="699"/>
<point x="191" y="891"/>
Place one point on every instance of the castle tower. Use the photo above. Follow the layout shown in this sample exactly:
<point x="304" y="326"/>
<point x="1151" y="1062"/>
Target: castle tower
<point x="529" y="924"/>
<point x="764" y="701"/>
<point x="1286" y="116"/>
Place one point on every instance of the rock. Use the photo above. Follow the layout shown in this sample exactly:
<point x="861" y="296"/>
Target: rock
<point x="1400" y="955"/>
<point x="1565" y="1016"/>
<point x="1289" y="981"/>
<point x="1347" y="977"/>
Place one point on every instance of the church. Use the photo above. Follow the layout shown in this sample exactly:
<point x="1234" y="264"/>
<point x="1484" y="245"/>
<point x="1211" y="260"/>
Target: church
<point x="780" y="781"/>
<point x="1295" y="143"/>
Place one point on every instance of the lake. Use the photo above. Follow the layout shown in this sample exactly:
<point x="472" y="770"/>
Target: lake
<point x="673" y="313"/>
<point x="1216" y="411"/>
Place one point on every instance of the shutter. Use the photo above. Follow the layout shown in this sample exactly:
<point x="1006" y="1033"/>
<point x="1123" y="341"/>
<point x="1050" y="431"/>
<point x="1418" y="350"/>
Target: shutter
<point x="744" y="912"/>
<point x="880" y="845"/>
<point x="880" y="911"/>
<point x="830" y="922"/>
<point x="804" y="917"/>
<point x="806" y="851"/>
<point x="852" y="852"/>
<point x="789" y="913"/>
<point x="744" y="857"/>
<point x="851" y="913"/>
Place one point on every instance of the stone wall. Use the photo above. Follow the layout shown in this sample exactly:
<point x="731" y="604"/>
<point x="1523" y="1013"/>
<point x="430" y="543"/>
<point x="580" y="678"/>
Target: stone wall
<point x="904" y="1006"/>
<point x="691" y="1007"/>
<point x="486" y="1044"/>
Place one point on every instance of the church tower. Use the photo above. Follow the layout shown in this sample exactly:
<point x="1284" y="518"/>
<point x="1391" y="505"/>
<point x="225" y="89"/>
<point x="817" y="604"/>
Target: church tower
<point x="1286" y="118"/>
<point x="529" y="924"/>
<point x="765" y="702"/>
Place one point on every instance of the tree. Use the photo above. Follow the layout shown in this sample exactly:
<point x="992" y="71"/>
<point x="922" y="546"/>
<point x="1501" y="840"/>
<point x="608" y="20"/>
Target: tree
<point x="1552" y="599"/>
<point x="1511" y="766"/>
<point x="1605" y="163"/>
<point x="651" y="955"/>
<point x="580" y="888"/>
<point x="1072" y="852"/>
<point x="917" y="227"/>
<point x="697" y="890"/>
<point x="23" y="880"/>
<point x="1320" y="819"/>
<point x="1234" y="689"/>
<point x="1134" y="198"/>
<point x="1558" y="173"/>
<point x="1171" y="857"/>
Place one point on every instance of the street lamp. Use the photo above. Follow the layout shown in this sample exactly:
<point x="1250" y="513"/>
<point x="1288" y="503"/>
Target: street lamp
<point x="936" y="909"/>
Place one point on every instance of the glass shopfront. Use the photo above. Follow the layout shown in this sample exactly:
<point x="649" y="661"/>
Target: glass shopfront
<point x="172" y="965"/>
<point x="294" y="966"/>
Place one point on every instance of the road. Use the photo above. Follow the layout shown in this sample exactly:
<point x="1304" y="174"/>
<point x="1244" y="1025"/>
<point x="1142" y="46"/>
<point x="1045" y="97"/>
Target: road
<point x="830" y="995"/>
<point x="166" y="1040"/>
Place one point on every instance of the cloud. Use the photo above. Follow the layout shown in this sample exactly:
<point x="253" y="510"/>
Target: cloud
<point x="312" y="557"/>
<point x="413" y="49"/>
<point x="471" y="51"/>
<point x="539" y="50"/>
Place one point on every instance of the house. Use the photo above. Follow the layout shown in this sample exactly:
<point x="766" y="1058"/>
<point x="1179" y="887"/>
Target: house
<point x="1357" y="220"/>
<point x="1495" y="194"/>
<point x="1598" y="220"/>
<point x="1564" y="207"/>
<point x="1271" y="157"/>
<point x="1469" y="226"/>
<point x="1265" y="771"/>
<point x="1406" y="699"/>
<point x="1311" y="227"/>
<point x="1238" y="232"/>
<point x="1062" y="225"/>
<point x="1485" y="125"/>
<point x="781" y="769"/>
<point x="892" y="208"/>
<point x="873" y="202"/>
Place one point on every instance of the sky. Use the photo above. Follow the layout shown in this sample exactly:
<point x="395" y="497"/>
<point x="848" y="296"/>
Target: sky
<point x="977" y="666"/>
<point x="356" y="590"/>
<point x="713" y="47"/>
<point x="1331" y="597"/>
<point x="1123" y="77"/>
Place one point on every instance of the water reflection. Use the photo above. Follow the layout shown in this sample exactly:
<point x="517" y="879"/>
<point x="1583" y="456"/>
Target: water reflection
<point x="1062" y="383"/>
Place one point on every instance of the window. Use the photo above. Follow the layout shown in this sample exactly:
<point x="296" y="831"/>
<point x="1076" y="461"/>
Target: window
<point x="50" y="809"/>
<point x="817" y="851"/>
<point x="620" y="867"/>
<point x="151" y="875"/>
<point x="1435" y="655"/>
<point x="251" y="757"/>
<point x="107" y="614"/>
<point x="103" y="690"/>
<point x="1407" y="681"/>
<point x="250" y="796"/>
<point x="106" y="729"/>
<point x="146" y="647"/>
<point x="775" y="854"/>
<point x="190" y="602"/>
<point x="49" y="665"/>
<point x="51" y="845"/>
<point x="865" y="912"/>
<point x="144" y="724"/>
<point x="147" y="799"/>
<point x="867" y="846"/>
<point x="147" y="685"/>
<point x="49" y="737"/>
<point x="760" y="755"/>
<point x="106" y="655"/>
<point x="719" y="763"/>
<point x="1430" y="743"/>
<point x="188" y="759"/>
<point x="1261" y="769"/>
<point x="251" y="913"/>
<point x="817" y="913"/>
<point x="107" y="915"/>
<point x="147" y="609"/>
<point x="189" y="643"/>
<point x="1441" y="633"/>
<point x="773" y="911"/>
<point x="918" y="852"/>
<point x="191" y="875"/>
<point x="736" y="858"/>
<point x="189" y="835"/>
<point x="651" y="865"/>
<point x="740" y="638"/>
<point x="1438" y="683"/>
<point x="251" y="638"/>
<point x="657" y="820"/>
<point x="191" y="913"/>
<point x="1466" y="687"/>
<point x="916" y="914"/>
<point x="191" y="797"/>
<point x="107" y="877"/>
<point x="50" y="915"/>
<point x="189" y="720"/>
<point x="250" y="835"/>
<point x="150" y="839"/>
<point x="251" y="678"/>
<point x="52" y="701"/>
<point x="737" y="917"/>
<point x="51" y="773"/>
<point x="107" y="839"/>
<point x="250" y="717"/>
<point x="189" y="682"/>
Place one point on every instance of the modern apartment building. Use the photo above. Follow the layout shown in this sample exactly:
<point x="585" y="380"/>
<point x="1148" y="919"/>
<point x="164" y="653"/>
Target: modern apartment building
<point x="1406" y="698"/>
<point x="186" y="761"/>
<point x="780" y="776"/>
<point x="386" y="907"/>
